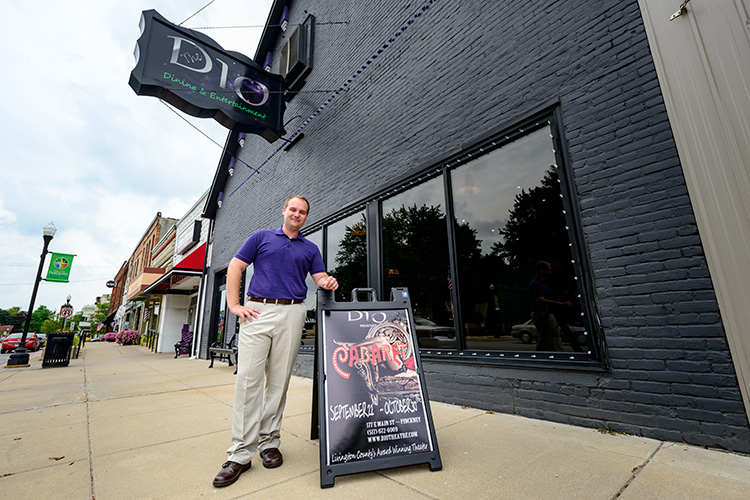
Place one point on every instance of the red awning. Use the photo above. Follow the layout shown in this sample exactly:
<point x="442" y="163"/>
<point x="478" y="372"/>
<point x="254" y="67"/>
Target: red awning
<point x="194" y="260"/>
<point x="183" y="278"/>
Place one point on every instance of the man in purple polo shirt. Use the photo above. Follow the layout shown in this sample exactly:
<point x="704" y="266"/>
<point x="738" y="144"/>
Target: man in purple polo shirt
<point x="270" y="331"/>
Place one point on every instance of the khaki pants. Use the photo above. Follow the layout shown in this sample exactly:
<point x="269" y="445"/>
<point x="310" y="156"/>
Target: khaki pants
<point x="548" y="330"/>
<point x="267" y="349"/>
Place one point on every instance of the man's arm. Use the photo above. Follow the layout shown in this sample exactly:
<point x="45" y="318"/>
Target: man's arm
<point x="322" y="280"/>
<point x="544" y="300"/>
<point x="234" y="279"/>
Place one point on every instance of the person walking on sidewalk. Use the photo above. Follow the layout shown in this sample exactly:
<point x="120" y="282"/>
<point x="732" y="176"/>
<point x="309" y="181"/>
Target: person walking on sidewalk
<point x="270" y="332"/>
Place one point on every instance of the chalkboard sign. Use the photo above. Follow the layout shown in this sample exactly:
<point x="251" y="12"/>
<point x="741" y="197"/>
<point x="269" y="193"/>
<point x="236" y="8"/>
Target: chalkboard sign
<point x="372" y="401"/>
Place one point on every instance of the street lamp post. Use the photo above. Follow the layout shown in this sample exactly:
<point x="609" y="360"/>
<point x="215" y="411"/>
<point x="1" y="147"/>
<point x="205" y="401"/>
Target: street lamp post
<point x="65" y="319"/>
<point x="20" y="356"/>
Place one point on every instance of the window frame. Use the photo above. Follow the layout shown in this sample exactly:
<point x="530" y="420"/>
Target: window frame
<point x="595" y="359"/>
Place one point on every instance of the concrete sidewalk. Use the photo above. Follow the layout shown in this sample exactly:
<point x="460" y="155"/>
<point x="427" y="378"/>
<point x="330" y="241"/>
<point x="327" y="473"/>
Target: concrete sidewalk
<point x="122" y="422"/>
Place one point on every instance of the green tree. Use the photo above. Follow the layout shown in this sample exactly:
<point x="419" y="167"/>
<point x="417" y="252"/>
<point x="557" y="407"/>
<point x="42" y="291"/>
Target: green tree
<point x="101" y="312"/>
<point x="50" y="325"/>
<point x="38" y="318"/>
<point x="18" y="317"/>
<point x="6" y="318"/>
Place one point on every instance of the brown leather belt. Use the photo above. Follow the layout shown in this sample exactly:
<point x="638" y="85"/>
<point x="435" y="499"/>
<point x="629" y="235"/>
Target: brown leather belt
<point x="281" y="302"/>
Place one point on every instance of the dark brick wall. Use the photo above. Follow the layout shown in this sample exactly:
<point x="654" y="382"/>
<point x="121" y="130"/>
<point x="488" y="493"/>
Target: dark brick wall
<point x="463" y="68"/>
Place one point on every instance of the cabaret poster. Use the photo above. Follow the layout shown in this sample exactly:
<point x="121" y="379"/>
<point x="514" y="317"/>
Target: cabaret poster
<point x="375" y="403"/>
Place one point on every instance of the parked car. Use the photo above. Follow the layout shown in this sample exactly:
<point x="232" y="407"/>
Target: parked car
<point x="526" y="333"/>
<point x="42" y="339"/>
<point x="427" y="328"/>
<point x="12" y="341"/>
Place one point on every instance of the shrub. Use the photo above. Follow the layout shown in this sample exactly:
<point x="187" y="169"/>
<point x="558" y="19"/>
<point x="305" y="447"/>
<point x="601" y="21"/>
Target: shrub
<point x="110" y="336"/>
<point x="128" y="337"/>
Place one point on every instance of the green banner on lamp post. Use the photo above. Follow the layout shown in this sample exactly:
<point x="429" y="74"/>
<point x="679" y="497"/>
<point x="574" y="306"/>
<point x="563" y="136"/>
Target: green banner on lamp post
<point x="59" y="267"/>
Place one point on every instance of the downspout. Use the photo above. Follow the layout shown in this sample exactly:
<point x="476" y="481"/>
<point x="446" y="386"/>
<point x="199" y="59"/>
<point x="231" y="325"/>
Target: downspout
<point x="198" y="335"/>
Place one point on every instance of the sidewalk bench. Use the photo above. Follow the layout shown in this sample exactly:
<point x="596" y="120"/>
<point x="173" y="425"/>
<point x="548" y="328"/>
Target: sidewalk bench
<point x="217" y="351"/>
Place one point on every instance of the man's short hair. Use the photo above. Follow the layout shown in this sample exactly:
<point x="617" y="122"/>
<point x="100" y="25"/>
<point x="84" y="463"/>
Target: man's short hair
<point x="543" y="265"/>
<point x="286" y="203"/>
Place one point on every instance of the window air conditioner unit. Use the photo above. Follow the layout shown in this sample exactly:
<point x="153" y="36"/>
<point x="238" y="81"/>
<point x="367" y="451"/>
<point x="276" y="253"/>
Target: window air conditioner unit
<point x="296" y="56"/>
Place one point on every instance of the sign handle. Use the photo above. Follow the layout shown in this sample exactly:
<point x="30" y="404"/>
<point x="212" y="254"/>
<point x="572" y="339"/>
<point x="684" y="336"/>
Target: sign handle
<point x="370" y="294"/>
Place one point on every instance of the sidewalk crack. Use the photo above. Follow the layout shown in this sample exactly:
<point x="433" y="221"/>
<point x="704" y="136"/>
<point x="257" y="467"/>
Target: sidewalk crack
<point x="638" y="470"/>
<point x="87" y="399"/>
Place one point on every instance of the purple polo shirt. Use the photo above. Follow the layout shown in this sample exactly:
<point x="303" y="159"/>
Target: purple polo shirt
<point x="280" y="264"/>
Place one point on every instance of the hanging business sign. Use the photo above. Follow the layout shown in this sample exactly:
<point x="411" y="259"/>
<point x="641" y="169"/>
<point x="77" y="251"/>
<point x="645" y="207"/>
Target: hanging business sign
<point x="373" y="407"/>
<point x="193" y="73"/>
<point x="59" y="267"/>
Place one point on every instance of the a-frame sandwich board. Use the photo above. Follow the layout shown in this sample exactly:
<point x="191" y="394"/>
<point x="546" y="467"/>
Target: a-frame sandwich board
<point x="370" y="404"/>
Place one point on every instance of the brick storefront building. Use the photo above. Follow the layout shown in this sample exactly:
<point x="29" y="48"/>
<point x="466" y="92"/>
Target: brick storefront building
<point x="467" y="141"/>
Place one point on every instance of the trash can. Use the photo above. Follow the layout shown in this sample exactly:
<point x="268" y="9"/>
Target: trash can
<point x="58" y="349"/>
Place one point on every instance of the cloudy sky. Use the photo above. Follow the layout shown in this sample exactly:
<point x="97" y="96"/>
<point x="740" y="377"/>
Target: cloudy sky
<point x="79" y="148"/>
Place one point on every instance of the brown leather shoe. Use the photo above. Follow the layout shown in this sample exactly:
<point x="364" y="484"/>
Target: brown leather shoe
<point x="271" y="458"/>
<point x="229" y="473"/>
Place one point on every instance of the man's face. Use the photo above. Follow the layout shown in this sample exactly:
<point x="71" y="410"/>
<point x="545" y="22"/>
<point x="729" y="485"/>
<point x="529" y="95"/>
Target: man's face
<point x="547" y="272"/>
<point x="295" y="214"/>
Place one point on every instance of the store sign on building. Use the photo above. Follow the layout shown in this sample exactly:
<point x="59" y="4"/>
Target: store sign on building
<point x="188" y="238"/>
<point x="193" y="73"/>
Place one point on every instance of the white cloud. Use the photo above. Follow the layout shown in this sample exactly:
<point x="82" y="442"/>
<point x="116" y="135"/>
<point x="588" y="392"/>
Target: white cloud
<point x="81" y="149"/>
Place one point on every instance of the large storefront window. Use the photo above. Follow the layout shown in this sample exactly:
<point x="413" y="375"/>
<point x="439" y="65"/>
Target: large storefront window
<point x="509" y="216"/>
<point x="218" y="319"/>
<point x="311" y="300"/>
<point x="415" y="255"/>
<point x="221" y="320"/>
<point x="346" y="254"/>
<point x="486" y="243"/>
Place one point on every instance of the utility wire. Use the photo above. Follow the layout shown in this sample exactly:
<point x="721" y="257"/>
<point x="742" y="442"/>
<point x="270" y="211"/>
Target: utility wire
<point x="196" y="13"/>
<point x="343" y="87"/>
<point x="200" y="131"/>
<point x="231" y="91"/>
<point x="13" y="264"/>
<point x="188" y="122"/>
<point x="72" y="281"/>
<point x="257" y="25"/>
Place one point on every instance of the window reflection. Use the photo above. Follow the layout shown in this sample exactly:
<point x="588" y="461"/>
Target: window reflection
<point x="221" y="316"/>
<point x="509" y="215"/>
<point x="308" y="337"/>
<point x="346" y="254"/>
<point x="415" y="255"/>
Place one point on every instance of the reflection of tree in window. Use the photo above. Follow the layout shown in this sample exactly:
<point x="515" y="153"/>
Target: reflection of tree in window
<point x="415" y="251"/>
<point x="415" y="246"/>
<point x="536" y="230"/>
<point x="497" y="283"/>
<point x="520" y="200"/>
<point x="351" y="260"/>
<point x="312" y="290"/>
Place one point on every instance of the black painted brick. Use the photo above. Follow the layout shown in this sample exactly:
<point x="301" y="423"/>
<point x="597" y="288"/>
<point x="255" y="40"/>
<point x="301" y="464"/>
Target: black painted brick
<point x="443" y="84"/>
